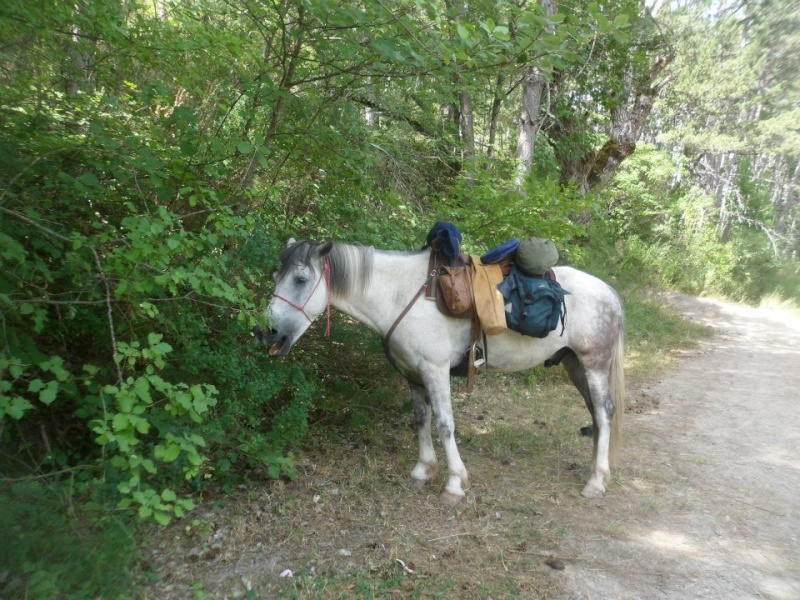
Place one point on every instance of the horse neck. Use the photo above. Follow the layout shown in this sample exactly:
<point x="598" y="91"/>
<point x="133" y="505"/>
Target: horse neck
<point x="396" y="277"/>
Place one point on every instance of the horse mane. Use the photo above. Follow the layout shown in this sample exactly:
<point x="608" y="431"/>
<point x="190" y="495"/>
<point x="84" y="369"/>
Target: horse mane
<point x="351" y="266"/>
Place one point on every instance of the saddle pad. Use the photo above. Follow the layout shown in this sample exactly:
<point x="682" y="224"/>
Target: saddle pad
<point x="489" y="302"/>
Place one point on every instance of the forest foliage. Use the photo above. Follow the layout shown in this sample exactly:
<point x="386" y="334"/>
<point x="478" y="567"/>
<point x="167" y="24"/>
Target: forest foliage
<point x="154" y="157"/>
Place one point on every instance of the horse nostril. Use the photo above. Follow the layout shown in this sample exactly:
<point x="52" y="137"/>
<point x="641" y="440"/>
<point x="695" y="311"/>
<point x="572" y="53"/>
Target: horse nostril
<point x="264" y="335"/>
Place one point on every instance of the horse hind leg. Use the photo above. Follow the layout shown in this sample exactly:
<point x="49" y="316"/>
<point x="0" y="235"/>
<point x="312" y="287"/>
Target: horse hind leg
<point x="593" y="385"/>
<point x="427" y="464"/>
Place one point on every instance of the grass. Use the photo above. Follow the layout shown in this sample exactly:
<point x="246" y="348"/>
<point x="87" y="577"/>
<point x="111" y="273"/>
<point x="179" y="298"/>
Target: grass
<point x="778" y="302"/>
<point x="656" y="333"/>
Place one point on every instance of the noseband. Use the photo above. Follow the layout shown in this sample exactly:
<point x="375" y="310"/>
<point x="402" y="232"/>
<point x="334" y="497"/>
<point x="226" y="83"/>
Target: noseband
<point x="326" y="275"/>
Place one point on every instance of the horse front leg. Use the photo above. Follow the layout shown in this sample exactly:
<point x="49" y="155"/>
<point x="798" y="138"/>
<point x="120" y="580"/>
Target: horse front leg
<point x="437" y="386"/>
<point x="427" y="465"/>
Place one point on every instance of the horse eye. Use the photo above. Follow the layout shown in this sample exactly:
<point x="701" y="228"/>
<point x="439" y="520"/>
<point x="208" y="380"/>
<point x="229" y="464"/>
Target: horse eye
<point x="300" y="279"/>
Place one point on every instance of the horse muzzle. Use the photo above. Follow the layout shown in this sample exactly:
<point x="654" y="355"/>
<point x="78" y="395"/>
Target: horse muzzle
<point x="279" y="345"/>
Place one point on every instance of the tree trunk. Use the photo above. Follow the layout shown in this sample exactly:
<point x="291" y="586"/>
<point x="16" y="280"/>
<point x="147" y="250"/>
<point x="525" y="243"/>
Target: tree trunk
<point x="627" y="121"/>
<point x="497" y="103"/>
<point x="533" y="85"/>
<point x="79" y="70"/>
<point x="788" y="202"/>
<point x="591" y="170"/>
<point x="291" y="48"/>
<point x="466" y="124"/>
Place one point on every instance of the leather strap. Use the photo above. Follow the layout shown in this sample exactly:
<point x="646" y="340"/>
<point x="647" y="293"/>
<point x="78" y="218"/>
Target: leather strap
<point x="475" y="325"/>
<point x="388" y="336"/>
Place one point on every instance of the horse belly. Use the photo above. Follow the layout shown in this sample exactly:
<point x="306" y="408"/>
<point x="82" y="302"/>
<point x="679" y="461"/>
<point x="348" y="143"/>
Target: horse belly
<point x="511" y="351"/>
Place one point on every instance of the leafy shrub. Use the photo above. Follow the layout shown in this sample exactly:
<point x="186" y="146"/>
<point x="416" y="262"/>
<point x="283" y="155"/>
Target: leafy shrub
<point x="128" y="283"/>
<point x="53" y="549"/>
<point x="490" y="210"/>
<point x="672" y="234"/>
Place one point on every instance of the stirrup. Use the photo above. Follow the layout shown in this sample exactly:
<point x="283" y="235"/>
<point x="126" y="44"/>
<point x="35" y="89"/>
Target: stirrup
<point x="475" y="355"/>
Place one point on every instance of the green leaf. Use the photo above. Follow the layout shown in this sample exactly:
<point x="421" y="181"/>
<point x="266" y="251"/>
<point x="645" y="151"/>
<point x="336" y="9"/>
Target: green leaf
<point x="168" y="453"/>
<point x="89" y="179"/>
<point x="161" y="517"/>
<point x="120" y="422"/>
<point x="142" y="389"/>
<point x="48" y="395"/>
<point x="245" y="147"/>
<point x="501" y="33"/>
<point x="15" y="407"/>
<point x="36" y="385"/>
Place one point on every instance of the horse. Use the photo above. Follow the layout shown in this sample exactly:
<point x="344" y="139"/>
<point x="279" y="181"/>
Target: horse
<point x="376" y="286"/>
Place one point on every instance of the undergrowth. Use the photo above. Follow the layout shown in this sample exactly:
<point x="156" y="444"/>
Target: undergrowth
<point x="54" y="548"/>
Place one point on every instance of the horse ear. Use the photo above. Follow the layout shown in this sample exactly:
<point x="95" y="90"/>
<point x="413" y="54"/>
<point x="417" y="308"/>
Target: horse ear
<point x="290" y="242"/>
<point x="325" y="249"/>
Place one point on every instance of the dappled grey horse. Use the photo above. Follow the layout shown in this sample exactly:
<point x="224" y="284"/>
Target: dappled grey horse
<point x="375" y="286"/>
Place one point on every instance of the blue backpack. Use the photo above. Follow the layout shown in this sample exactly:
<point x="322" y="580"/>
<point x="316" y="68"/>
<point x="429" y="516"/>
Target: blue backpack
<point x="534" y="306"/>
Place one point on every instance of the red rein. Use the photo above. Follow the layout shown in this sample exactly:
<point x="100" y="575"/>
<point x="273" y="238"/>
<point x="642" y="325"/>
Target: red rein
<point x="326" y="274"/>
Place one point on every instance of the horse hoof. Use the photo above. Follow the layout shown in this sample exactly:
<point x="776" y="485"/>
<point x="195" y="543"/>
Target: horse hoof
<point x="451" y="500"/>
<point x="592" y="491"/>
<point x="418" y="484"/>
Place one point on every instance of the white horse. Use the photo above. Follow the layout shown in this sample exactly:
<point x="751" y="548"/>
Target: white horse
<point x="375" y="286"/>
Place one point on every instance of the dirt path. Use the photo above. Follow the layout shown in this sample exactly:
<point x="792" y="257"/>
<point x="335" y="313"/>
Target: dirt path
<point x="712" y="475"/>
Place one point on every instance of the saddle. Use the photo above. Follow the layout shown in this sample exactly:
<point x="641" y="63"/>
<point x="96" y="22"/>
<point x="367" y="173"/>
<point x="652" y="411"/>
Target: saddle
<point x="464" y="288"/>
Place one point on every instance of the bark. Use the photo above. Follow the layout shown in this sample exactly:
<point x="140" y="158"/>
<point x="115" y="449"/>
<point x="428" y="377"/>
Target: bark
<point x="789" y="202"/>
<point x="79" y="68"/>
<point x="627" y="121"/>
<point x="591" y="170"/>
<point x="497" y="103"/>
<point x="292" y="44"/>
<point x="466" y="124"/>
<point x="533" y="86"/>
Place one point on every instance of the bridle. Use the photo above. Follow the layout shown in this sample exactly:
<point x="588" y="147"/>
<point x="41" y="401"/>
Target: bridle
<point x="326" y="275"/>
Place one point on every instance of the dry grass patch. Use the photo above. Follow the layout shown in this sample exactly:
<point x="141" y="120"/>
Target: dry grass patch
<point x="351" y="526"/>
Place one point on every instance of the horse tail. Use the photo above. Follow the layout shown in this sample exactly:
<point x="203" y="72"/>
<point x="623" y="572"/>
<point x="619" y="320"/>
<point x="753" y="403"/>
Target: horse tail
<point x="616" y="381"/>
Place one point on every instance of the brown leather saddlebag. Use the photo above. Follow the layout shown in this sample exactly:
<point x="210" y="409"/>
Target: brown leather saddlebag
<point x="455" y="284"/>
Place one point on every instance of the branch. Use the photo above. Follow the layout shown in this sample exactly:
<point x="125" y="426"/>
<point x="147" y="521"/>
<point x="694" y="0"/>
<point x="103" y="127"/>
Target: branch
<point x="30" y="221"/>
<point x="415" y="125"/>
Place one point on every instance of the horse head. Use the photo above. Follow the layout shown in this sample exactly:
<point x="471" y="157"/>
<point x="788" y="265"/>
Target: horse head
<point x="302" y="293"/>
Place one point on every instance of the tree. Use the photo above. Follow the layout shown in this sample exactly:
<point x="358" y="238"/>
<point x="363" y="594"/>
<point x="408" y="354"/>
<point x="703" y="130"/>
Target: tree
<point x="731" y="113"/>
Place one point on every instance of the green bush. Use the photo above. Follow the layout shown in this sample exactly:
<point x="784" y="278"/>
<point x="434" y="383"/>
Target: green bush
<point x="128" y="287"/>
<point x="672" y="234"/>
<point x="53" y="548"/>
